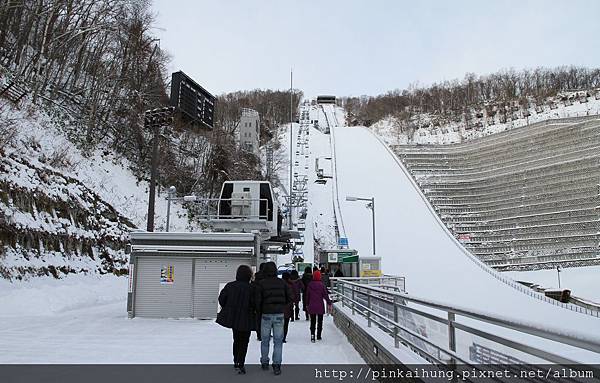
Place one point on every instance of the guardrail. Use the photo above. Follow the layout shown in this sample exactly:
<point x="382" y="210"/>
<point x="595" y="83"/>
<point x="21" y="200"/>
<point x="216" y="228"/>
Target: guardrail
<point x="228" y="208"/>
<point x="401" y="316"/>
<point x="384" y="281"/>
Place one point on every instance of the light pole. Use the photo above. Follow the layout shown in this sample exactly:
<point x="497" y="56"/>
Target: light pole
<point x="171" y="193"/>
<point x="154" y="120"/>
<point x="290" y="200"/>
<point x="370" y="205"/>
<point x="558" y="270"/>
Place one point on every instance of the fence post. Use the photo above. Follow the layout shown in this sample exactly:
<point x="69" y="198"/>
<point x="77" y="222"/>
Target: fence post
<point x="451" y="336"/>
<point x="337" y="287"/>
<point x="396" y="340"/>
<point x="368" y="311"/>
<point x="352" y="286"/>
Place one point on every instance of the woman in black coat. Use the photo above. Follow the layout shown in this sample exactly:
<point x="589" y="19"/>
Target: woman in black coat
<point x="306" y="279"/>
<point x="238" y="314"/>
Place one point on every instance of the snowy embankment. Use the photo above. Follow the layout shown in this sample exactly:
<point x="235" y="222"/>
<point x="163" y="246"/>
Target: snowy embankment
<point x="100" y="170"/>
<point x="413" y="243"/>
<point x="83" y="319"/>
<point x="389" y="129"/>
<point x="66" y="210"/>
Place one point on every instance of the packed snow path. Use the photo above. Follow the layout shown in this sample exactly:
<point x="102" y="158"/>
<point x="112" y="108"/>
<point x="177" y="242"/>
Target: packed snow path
<point x="412" y="243"/>
<point x="83" y="320"/>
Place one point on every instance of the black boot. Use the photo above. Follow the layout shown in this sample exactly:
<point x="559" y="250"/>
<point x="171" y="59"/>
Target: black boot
<point x="264" y="366"/>
<point x="241" y="369"/>
<point x="277" y="369"/>
<point x="312" y="338"/>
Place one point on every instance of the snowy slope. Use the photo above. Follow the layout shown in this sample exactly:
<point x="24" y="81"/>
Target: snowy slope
<point x="83" y="319"/>
<point x="414" y="244"/>
<point x="100" y="170"/>
<point x="388" y="128"/>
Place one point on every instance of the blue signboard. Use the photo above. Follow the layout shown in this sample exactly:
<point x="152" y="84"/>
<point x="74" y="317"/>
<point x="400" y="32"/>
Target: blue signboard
<point x="343" y="241"/>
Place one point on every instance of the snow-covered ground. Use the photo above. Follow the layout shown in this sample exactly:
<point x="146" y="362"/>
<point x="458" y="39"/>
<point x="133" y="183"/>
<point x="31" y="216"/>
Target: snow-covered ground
<point x="414" y="243"/>
<point x="83" y="319"/>
<point x="584" y="282"/>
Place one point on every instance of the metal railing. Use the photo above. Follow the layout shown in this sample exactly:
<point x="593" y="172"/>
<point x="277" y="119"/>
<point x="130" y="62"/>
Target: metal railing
<point x="384" y="281"/>
<point x="210" y="209"/>
<point x="430" y="328"/>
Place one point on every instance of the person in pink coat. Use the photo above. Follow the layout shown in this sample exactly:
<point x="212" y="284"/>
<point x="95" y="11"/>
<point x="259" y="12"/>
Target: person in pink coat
<point x="316" y="295"/>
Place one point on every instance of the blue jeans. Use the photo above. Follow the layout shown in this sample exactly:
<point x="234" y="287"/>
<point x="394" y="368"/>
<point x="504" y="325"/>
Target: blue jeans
<point x="268" y="322"/>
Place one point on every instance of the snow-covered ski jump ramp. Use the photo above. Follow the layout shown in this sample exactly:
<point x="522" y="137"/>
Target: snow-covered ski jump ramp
<point x="413" y="243"/>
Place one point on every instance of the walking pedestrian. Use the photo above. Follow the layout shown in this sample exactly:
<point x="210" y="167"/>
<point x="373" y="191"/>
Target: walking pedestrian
<point x="289" y="309"/>
<point x="316" y="293"/>
<point x="257" y="277"/>
<point x="237" y="313"/>
<point x="339" y="273"/>
<point x="306" y="278"/>
<point x="325" y="277"/>
<point x="272" y="297"/>
<point x="297" y="288"/>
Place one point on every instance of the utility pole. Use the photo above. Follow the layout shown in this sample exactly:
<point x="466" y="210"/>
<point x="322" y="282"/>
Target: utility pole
<point x="290" y="193"/>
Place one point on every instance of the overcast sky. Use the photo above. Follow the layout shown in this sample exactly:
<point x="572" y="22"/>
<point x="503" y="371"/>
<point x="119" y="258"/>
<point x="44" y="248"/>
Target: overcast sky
<point x="352" y="47"/>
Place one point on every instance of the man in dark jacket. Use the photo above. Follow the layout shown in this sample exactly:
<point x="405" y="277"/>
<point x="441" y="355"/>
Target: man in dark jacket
<point x="273" y="296"/>
<point x="237" y="313"/>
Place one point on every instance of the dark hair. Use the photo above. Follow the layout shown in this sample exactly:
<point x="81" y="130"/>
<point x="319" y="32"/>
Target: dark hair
<point x="308" y="270"/>
<point x="285" y="276"/>
<point x="294" y="274"/>
<point x="315" y="268"/>
<point x="261" y="267"/>
<point x="270" y="269"/>
<point x="322" y="269"/>
<point x="244" y="273"/>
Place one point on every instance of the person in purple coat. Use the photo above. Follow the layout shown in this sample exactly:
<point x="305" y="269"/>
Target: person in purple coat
<point x="316" y="293"/>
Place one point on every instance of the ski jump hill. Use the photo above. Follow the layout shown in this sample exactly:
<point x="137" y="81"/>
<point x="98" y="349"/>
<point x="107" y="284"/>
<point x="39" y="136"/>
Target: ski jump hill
<point x="414" y="243"/>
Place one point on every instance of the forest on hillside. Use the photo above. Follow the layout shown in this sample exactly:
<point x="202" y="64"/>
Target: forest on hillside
<point x="451" y="100"/>
<point x="97" y="65"/>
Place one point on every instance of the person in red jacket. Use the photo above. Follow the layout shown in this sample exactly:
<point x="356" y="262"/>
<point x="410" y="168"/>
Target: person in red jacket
<point x="316" y="294"/>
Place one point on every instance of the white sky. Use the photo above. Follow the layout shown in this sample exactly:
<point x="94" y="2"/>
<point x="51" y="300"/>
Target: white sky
<point x="355" y="47"/>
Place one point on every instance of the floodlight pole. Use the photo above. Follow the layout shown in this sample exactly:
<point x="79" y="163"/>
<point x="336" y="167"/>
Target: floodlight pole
<point x="155" y="119"/>
<point x="290" y="199"/>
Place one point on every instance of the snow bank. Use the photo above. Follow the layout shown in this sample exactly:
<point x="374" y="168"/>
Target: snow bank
<point x="48" y="296"/>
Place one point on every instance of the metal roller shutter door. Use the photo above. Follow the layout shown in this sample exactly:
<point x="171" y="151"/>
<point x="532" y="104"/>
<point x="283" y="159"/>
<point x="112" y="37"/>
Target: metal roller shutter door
<point x="153" y="299"/>
<point x="209" y="274"/>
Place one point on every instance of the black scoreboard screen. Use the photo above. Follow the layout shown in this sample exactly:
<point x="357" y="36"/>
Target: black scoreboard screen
<point x="191" y="100"/>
